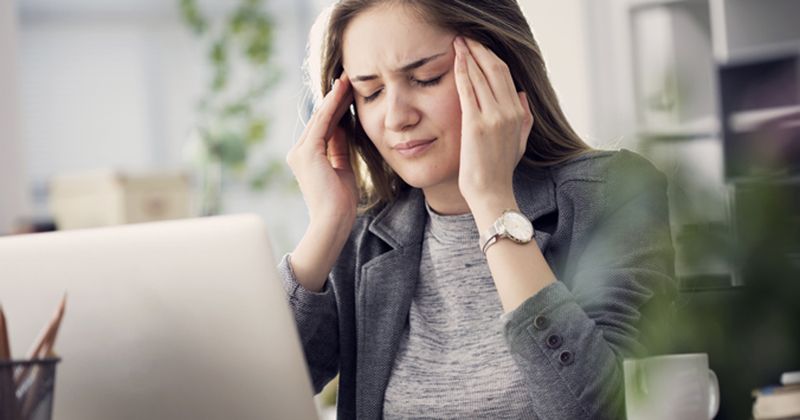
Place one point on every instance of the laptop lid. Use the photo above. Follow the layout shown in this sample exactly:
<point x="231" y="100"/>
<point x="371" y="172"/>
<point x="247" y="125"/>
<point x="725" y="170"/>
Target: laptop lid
<point x="171" y="320"/>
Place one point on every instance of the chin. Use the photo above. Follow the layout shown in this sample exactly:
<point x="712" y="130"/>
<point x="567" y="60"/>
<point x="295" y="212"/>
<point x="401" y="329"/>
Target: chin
<point x="419" y="179"/>
<point x="415" y="184"/>
<point x="416" y="180"/>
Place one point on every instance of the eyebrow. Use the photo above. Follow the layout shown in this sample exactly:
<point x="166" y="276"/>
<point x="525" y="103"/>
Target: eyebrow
<point x="404" y="69"/>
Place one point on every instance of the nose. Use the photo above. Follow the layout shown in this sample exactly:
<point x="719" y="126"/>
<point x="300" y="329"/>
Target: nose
<point x="401" y="114"/>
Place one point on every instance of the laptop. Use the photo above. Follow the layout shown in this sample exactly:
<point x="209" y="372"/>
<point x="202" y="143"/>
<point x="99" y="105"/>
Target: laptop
<point x="170" y="320"/>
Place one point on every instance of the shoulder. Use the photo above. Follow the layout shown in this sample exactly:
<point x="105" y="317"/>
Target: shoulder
<point x="607" y="179"/>
<point x="607" y="166"/>
<point x="620" y="174"/>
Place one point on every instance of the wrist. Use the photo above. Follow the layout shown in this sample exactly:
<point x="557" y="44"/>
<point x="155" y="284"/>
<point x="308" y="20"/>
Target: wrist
<point x="332" y="225"/>
<point x="487" y="208"/>
<point x="315" y="255"/>
<point x="325" y="240"/>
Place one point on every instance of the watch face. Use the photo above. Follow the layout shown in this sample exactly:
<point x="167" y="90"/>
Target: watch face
<point x="518" y="226"/>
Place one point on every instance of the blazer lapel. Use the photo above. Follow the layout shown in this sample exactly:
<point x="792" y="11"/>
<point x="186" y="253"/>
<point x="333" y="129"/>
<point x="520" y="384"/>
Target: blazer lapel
<point x="384" y="291"/>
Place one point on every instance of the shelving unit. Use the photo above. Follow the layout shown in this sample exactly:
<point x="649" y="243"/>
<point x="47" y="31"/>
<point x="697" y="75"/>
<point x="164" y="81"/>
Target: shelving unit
<point x="749" y="29"/>
<point x="674" y="78"/>
<point x="717" y="102"/>
<point x="717" y="97"/>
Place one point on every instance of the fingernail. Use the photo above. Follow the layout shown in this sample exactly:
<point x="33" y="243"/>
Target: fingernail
<point x="460" y="41"/>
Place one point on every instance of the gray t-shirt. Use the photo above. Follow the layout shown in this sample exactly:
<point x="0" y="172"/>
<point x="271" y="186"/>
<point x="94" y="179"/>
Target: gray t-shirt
<point x="453" y="361"/>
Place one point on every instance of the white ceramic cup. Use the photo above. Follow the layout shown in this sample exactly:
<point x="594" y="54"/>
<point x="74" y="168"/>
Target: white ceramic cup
<point x="677" y="386"/>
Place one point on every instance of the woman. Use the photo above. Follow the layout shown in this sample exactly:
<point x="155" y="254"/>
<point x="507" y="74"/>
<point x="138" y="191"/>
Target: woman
<point x="498" y="267"/>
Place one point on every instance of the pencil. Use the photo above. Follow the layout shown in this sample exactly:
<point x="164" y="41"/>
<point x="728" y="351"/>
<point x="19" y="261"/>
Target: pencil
<point x="48" y="335"/>
<point x="8" y="397"/>
<point x="45" y="341"/>
<point x="5" y="345"/>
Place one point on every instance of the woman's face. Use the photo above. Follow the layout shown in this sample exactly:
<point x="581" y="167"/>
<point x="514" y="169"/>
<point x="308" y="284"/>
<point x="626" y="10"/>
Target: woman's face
<point x="401" y="70"/>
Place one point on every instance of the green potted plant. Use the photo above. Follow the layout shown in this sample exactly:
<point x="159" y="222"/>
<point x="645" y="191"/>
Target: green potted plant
<point x="232" y="121"/>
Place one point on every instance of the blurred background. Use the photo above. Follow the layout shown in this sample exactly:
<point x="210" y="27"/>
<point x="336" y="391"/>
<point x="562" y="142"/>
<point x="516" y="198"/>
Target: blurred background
<point x="134" y="110"/>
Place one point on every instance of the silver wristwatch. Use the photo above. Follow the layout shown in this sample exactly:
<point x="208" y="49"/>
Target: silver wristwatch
<point x="512" y="225"/>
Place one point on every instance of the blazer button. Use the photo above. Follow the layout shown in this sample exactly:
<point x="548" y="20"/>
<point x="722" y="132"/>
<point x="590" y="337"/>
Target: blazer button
<point x="566" y="358"/>
<point x="541" y="322"/>
<point x="554" y="341"/>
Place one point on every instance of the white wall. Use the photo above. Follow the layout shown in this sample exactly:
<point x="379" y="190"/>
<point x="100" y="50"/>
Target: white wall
<point x="561" y="31"/>
<point x="13" y="202"/>
<point x="114" y="85"/>
<point x="85" y="101"/>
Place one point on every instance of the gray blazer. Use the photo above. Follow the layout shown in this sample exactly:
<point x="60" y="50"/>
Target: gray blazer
<point x="602" y="223"/>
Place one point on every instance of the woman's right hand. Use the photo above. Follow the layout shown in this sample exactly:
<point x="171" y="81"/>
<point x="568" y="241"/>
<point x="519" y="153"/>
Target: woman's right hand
<point x="320" y="161"/>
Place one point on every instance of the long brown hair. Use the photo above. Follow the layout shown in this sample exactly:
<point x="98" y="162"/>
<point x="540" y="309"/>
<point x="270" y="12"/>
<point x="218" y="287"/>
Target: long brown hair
<point x="498" y="24"/>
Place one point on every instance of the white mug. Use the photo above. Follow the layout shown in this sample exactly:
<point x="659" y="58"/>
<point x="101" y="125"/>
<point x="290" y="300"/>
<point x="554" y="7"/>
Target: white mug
<point x="677" y="386"/>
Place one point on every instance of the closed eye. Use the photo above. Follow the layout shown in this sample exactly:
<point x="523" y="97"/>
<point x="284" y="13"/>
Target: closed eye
<point x="424" y="83"/>
<point x="372" y="97"/>
<point x="429" y="82"/>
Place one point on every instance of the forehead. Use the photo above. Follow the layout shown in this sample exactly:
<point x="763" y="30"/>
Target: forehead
<point x="387" y="37"/>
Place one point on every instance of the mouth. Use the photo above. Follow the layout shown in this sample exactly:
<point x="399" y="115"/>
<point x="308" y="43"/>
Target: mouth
<point x="414" y="147"/>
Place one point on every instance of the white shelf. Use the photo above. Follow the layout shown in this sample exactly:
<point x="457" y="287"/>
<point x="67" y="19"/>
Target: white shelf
<point x="704" y="127"/>
<point x="764" y="52"/>
<point x="749" y="121"/>
<point x="656" y="3"/>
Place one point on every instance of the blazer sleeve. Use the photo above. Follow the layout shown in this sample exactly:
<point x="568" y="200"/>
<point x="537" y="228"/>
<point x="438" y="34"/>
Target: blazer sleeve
<point x="316" y="317"/>
<point x="569" y="339"/>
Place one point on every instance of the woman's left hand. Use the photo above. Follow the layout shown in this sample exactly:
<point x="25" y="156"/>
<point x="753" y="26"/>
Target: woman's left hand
<point x="495" y="123"/>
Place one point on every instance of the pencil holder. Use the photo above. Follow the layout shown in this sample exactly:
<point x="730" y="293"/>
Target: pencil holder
<point x="26" y="389"/>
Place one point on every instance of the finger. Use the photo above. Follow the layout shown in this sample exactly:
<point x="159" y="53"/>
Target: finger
<point x="343" y="108"/>
<point x="306" y="129"/>
<point x="319" y="108"/>
<point x="486" y="98"/>
<point x="312" y="120"/>
<point x="337" y="147"/>
<point x="338" y="150"/>
<point x="527" y="123"/>
<point x="466" y="94"/>
<point x="496" y="71"/>
<point x="334" y="103"/>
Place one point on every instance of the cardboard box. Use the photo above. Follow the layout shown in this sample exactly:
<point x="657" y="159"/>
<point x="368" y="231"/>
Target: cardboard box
<point x="106" y="198"/>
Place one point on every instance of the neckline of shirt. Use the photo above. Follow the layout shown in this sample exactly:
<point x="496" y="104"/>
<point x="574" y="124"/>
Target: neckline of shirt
<point x="452" y="228"/>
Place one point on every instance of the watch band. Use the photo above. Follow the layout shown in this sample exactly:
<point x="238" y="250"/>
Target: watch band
<point x="493" y="234"/>
<point x="497" y="231"/>
<point x="489" y="242"/>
